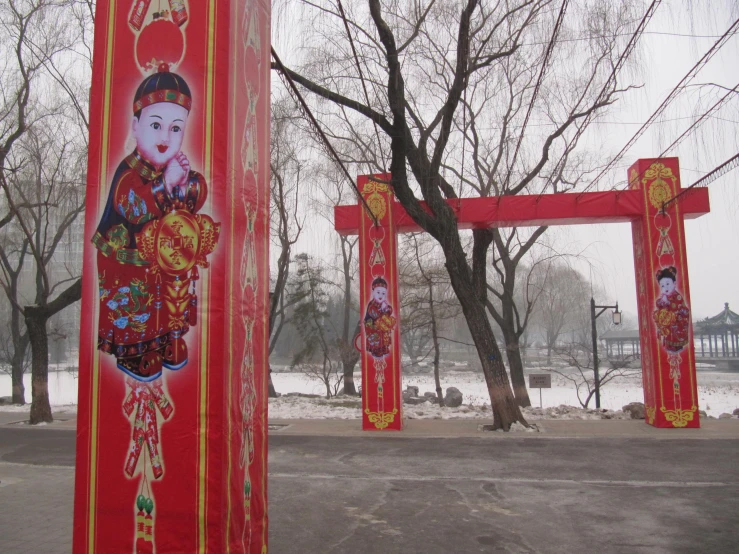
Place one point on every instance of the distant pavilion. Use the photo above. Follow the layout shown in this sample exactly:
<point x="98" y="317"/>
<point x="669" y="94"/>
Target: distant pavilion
<point x="716" y="340"/>
<point x="718" y="335"/>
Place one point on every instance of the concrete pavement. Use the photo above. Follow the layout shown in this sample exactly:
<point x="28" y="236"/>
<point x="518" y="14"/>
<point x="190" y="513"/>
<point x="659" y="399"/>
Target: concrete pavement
<point x="439" y="487"/>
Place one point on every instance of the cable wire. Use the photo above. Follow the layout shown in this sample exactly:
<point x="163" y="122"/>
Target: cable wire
<point x="708" y="178"/>
<point x="361" y="76"/>
<point x="324" y="138"/>
<point x="689" y="76"/>
<point x="636" y="35"/>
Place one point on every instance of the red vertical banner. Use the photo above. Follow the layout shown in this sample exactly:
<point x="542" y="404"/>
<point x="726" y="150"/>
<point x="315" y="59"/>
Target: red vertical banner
<point x="663" y="297"/>
<point x="172" y="420"/>
<point x="382" y="400"/>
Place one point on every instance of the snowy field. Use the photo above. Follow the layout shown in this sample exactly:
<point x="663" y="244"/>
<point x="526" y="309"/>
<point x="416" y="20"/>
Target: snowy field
<point x="718" y="392"/>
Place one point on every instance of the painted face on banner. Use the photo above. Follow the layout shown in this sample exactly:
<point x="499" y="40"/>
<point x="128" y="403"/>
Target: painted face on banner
<point x="379" y="294"/>
<point x="159" y="132"/>
<point x="666" y="285"/>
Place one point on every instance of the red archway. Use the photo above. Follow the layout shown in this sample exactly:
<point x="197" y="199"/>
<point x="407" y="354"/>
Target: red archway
<point x="660" y="262"/>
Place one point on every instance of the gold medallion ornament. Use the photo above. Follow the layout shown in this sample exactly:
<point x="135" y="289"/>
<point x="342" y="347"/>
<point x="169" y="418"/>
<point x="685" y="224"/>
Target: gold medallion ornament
<point x="665" y="318"/>
<point x="178" y="241"/>
<point x="375" y="201"/>
<point x="659" y="190"/>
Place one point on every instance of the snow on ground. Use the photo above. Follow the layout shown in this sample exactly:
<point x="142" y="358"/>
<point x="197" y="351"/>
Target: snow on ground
<point x="718" y="392"/>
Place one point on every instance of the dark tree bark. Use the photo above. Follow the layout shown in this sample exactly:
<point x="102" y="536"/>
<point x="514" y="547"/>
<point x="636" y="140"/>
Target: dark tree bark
<point x="36" y="319"/>
<point x="17" y="369"/>
<point x="435" y="339"/>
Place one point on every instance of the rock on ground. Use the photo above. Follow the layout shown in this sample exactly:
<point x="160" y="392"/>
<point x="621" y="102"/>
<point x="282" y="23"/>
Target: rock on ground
<point x="636" y="409"/>
<point x="453" y="397"/>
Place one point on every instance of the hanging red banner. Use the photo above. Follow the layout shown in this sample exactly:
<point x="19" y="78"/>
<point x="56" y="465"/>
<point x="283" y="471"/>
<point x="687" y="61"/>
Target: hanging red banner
<point x="382" y="400"/>
<point x="172" y="421"/>
<point x="663" y="294"/>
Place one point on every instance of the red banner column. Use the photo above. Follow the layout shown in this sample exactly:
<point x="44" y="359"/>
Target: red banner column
<point x="382" y="400"/>
<point x="172" y="420"/>
<point x="663" y="296"/>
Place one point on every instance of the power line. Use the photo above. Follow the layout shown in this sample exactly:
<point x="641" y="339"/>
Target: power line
<point x="708" y="178"/>
<point x="670" y="97"/>
<point x="636" y="35"/>
<point x="700" y="120"/>
<point x="320" y="132"/>
<point x="361" y="75"/>
<point x="544" y="64"/>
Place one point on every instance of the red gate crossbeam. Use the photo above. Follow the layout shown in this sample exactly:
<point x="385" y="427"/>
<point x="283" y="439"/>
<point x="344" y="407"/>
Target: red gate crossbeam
<point x="534" y="210"/>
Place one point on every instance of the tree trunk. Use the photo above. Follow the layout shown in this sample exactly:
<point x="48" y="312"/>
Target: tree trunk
<point x="513" y="353"/>
<point x="437" y="352"/>
<point x="36" y="319"/>
<point x="349" y="387"/>
<point x="505" y="410"/>
<point x="271" y="392"/>
<point x="16" y="370"/>
<point x="349" y="358"/>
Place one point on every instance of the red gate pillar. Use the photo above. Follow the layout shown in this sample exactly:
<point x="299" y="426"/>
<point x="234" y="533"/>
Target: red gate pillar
<point x="382" y="400"/>
<point x="663" y="296"/>
<point x="172" y="419"/>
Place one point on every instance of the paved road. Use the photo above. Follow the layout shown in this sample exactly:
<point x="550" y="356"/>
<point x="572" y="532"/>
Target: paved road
<point x="373" y="494"/>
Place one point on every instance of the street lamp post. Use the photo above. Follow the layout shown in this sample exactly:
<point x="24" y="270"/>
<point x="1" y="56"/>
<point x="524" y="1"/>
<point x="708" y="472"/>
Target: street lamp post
<point x="593" y="317"/>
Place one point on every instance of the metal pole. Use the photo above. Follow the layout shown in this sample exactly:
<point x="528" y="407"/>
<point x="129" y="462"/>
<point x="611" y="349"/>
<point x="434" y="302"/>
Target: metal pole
<point x="595" y="353"/>
<point x="539" y="398"/>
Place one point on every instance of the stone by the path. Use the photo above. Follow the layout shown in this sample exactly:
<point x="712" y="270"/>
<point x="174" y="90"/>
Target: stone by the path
<point x="453" y="397"/>
<point x="635" y="409"/>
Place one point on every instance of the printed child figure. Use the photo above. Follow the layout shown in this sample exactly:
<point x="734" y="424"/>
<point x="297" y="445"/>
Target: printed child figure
<point x="378" y="320"/>
<point x="672" y="314"/>
<point x="145" y="312"/>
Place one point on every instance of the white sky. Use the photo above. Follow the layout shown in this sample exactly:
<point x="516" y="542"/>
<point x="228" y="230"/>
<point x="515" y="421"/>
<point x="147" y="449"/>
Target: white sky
<point x="712" y="240"/>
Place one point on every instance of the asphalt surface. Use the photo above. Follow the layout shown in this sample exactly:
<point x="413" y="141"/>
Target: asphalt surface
<point x="374" y="493"/>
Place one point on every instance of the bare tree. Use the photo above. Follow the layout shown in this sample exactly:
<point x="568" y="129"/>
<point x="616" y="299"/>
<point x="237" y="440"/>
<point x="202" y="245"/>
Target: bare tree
<point x="287" y="170"/>
<point x="414" y="64"/>
<point x="15" y="345"/>
<point x="579" y="360"/>
<point x="41" y="167"/>
<point x="515" y="297"/>
<point x="564" y="298"/>
<point x="331" y="190"/>
<point x="318" y="356"/>
<point x="428" y="303"/>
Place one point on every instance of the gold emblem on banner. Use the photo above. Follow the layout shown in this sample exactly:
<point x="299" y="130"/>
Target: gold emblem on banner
<point x="651" y="412"/>
<point x="679" y="418"/>
<point x="381" y="419"/>
<point x="375" y="200"/>
<point x="665" y="318"/>
<point x="178" y="241"/>
<point x="659" y="190"/>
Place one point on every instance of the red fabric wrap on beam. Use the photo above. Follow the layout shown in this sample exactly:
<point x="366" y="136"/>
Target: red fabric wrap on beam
<point x="531" y="210"/>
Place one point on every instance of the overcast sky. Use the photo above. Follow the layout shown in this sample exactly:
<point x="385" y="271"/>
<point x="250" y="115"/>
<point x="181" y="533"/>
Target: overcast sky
<point x="713" y="239"/>
<point x="678" y="35"/>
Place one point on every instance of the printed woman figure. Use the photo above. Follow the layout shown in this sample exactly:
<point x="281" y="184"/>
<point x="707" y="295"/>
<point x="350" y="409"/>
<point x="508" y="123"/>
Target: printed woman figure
<point x="672" y="315"/>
